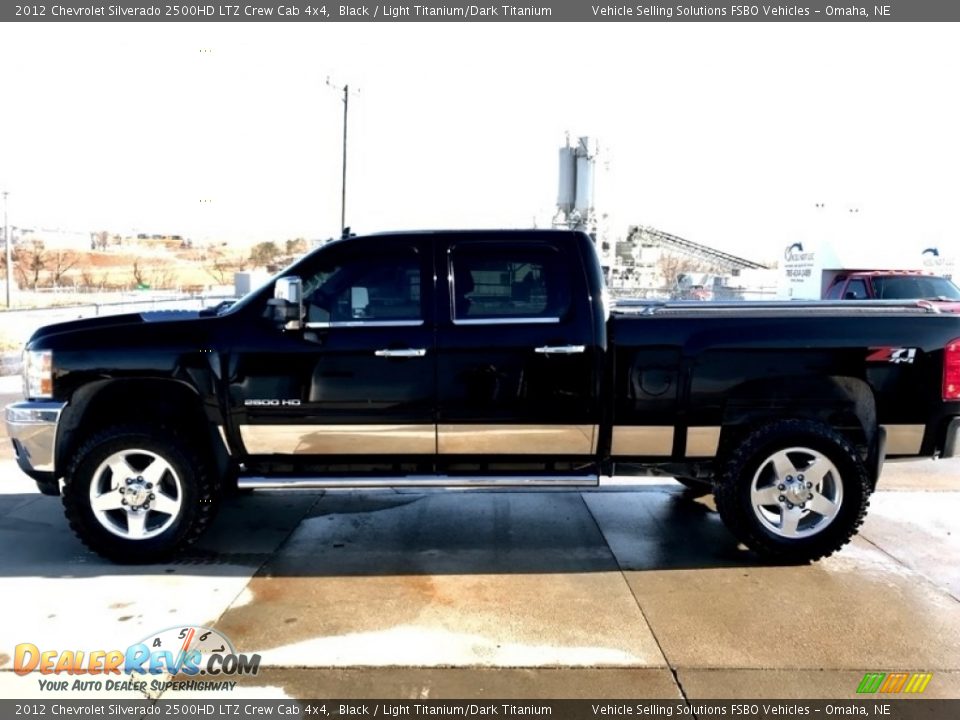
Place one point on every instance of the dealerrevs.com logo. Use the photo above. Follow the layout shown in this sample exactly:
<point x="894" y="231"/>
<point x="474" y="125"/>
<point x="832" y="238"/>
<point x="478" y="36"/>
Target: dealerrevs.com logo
<point x="190" y="651"/>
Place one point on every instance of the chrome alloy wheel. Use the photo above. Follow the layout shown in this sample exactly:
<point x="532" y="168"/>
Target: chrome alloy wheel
<point x="796" y="492"/>
<point x="136" y="494"/>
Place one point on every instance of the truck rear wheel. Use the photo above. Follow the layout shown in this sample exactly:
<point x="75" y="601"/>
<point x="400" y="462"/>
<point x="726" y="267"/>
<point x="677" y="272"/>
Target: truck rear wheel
<point x="138" y="494"/>
<point x="793" y="490"/>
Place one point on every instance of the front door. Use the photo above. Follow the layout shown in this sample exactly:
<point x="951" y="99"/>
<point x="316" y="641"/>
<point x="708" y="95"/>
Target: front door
<point x="358" y="381"/>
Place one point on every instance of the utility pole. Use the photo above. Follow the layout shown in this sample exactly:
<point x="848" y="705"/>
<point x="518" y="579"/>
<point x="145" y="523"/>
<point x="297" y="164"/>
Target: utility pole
<point x="7" y="245"/>
<point x="343" y="180"/>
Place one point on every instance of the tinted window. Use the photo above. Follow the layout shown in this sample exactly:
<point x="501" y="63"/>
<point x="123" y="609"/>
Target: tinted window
<point x="491" y="280"/>
<point x="835" y="290"/>
<point x="856" y="290"/>
<point x="915" y="287"/>
<point x="365" y="288"/>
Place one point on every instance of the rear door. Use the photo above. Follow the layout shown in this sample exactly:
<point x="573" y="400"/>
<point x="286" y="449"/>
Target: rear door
<point x="517" y="367"/>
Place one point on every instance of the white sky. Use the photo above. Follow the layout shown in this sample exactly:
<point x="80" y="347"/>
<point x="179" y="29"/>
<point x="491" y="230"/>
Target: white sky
<point x="723" y="133"/>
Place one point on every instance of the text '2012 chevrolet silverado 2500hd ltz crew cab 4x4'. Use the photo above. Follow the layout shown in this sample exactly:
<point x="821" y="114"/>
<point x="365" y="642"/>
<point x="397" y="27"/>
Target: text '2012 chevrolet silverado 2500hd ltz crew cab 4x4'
<point x="481" y="358"/>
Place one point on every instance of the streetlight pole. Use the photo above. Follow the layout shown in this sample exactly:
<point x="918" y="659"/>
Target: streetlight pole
<point x="7" y="244"/>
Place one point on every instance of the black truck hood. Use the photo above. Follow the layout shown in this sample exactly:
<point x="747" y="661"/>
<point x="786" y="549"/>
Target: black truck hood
<point x="113" y="321"/>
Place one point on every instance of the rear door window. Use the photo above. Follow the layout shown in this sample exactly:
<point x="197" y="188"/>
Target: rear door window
<point x="492" y="282"/>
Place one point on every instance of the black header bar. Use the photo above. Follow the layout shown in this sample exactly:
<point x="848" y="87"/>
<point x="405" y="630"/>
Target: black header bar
<point x="497" y="11"/>
<point x="878" y="707"/>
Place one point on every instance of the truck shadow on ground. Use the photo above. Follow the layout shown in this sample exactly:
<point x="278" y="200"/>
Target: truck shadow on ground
<point x="357" y="533"/>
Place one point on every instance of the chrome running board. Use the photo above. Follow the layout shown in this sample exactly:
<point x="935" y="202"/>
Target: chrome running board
<point x="451" y="481"/>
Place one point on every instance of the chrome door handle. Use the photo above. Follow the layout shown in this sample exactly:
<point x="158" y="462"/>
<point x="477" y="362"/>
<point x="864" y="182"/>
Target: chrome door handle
<point x="560" y="349"/>
<point x="409" y="353"/>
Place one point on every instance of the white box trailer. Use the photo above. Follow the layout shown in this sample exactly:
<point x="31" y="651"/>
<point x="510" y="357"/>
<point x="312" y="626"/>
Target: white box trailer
<point x="847" y="242"/>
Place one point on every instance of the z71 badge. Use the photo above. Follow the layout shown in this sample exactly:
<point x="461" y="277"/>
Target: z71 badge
<point x="895" y="355"/>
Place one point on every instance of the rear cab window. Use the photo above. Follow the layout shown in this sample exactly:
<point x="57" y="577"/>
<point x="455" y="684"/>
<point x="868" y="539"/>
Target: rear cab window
<point x="498" y="282"/>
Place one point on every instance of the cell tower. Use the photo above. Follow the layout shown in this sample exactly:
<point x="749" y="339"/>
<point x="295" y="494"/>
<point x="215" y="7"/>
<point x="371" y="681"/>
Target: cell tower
<point x="575" y="209"/>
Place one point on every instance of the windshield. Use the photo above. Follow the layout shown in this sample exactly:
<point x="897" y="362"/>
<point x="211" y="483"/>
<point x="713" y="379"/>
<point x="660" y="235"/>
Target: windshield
<point x="915" y="287"/>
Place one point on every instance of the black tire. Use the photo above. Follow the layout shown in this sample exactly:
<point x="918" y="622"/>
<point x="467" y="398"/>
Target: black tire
<point x="750" y="467"/>
<point x="186" y="481"/>
<point x="694" y="486"/>
<point x="48" y="487"/>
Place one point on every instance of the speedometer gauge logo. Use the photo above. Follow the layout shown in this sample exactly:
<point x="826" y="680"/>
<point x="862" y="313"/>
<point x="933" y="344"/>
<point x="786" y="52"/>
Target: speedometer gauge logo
<point x="190" y="650"/>
<point x="182" y="649"/>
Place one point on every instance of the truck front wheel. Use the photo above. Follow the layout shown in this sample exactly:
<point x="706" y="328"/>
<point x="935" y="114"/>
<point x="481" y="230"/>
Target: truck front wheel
<point x="137" y="494"/>
<point x="793" y="490"/>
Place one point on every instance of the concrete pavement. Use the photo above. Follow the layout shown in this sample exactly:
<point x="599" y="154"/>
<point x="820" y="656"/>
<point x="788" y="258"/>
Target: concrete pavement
<point x="633" y="591"/>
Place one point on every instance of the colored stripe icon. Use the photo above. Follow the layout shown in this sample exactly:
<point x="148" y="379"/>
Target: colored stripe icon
<point x="918" y="682"/>
<point x="894" y="682"/>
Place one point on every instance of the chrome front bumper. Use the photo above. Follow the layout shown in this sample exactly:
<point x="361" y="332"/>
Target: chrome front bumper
<point x="32" y="426"/>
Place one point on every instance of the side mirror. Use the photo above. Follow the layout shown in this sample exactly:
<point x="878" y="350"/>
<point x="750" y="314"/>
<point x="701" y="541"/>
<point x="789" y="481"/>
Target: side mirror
<point x="287" y="303"/>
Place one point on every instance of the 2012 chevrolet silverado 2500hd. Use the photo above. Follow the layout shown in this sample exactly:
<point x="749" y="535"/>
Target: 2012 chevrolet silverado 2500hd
<point x="481" y="358"/>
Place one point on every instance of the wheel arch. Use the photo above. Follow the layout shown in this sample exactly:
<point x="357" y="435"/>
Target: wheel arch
<point x="845" y="404"/>
<point x="167" y="403"/>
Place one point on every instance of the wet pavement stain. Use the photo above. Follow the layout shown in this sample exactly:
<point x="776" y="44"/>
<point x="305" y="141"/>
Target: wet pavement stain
<point x="491" y="683"/>
<point x="200" y="557"/>
<point x="20" y="525"/>
<point x="420" y="579"/>
<point x="358" y="503"/>
<point x="427" y="589"/>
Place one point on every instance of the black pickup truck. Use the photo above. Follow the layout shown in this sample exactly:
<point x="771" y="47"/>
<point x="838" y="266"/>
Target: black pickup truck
<point x="481" y="358"/>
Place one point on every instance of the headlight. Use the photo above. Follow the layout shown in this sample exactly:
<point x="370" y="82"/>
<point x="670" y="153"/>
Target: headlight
<point x="38" y="374"/>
